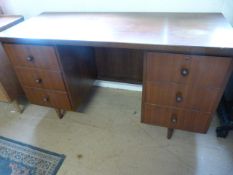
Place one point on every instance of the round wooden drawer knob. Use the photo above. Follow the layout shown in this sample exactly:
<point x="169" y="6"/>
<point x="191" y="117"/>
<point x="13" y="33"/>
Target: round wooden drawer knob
<point x="29" y="58"/>
<point x="46" y="99"/>
<point x="179" y="97"/>
<point x="38" y="80"/>
<point x="184" y="72"/>
<point x="174" y="119"/>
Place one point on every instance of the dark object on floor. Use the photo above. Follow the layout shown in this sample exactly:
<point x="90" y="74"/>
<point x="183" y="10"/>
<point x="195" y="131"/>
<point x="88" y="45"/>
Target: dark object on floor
<point x="225" y="111"/>
<point x="225" y="114"/>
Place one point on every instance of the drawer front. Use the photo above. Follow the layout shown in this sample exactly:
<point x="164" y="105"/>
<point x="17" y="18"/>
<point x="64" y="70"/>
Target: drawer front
<point x="40" y="78"/>
<point x="183" y="96"/>
<point x="42" y="97"/>
<point x="186" y="69"/>
<point x="36" y="56"/>
<point x="176" y="118"/>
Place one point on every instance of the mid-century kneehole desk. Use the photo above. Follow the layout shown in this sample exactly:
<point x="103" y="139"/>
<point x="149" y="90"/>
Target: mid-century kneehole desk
<point x="183" y="60"/>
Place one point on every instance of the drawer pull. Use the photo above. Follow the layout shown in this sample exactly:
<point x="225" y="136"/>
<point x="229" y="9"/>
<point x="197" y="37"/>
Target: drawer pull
<point x="46" y="99"/>
<point x="30" y="58"/>
<point x="179" y="97"/>
<point x="39" y="80"/>
<point x="174" y="119"/>
<point x="184" y="72"/>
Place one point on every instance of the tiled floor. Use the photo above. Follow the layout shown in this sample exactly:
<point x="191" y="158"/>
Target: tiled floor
<point x="108" y="139"/>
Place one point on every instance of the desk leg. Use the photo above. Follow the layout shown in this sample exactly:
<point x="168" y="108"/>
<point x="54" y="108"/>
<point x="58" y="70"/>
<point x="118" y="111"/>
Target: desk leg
<point x="17" y="106"/>
<point x="169" y="133"/>
<point x="60" y="113"/>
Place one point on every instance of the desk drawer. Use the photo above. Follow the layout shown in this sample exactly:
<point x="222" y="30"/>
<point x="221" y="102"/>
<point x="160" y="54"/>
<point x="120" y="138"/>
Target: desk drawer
<point x="176" y="118"/>
<point x="183" y="96"/>
<point x="56" y="99"/>
<point x="40" y="78"/>
<point x="43" y="57"/>
<point x="206" y="71"/>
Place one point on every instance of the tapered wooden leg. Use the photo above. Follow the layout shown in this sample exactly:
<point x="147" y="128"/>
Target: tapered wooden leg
<point x="17" y="106"/>
<point x="60" y="113"/>
<point x="169" y="132"/>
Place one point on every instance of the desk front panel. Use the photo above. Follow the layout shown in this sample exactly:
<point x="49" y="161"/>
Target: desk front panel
<point x="115" y="64"/>
<point x="170" y="81"/>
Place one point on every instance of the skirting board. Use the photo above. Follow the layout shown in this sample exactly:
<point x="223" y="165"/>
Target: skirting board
<point x="118" y="85"/>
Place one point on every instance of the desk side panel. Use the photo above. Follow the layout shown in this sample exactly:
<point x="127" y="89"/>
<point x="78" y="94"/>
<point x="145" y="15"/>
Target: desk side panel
<point x="79" y="70"/>
<point x="8" y="77"/>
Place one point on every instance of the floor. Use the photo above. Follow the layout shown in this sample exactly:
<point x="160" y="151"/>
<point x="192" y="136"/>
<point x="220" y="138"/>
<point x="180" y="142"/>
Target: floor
<point x="108" y="139"/>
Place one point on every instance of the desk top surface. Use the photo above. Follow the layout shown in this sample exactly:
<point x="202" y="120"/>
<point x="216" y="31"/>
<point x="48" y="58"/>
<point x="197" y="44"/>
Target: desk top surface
<point x="126" y="30"/>
<point x="7" y="21"/>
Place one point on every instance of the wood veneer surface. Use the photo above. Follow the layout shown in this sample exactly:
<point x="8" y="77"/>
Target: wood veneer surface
<point x="195" y="32"/>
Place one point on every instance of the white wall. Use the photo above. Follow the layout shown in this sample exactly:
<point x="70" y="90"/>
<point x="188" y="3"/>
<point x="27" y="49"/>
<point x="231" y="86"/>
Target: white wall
<point x="228" y="10"/>
<point x="30" y="8"/>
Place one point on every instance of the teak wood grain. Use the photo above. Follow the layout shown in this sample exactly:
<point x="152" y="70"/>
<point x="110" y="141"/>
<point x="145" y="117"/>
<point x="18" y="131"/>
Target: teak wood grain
<point x="34" y="56"/>
<point x="205" y="71"/>
<point x="191" y="96"/>
<point x="10" y="88"/>
<point x="79" y="68"/>
<point x="56" y="99"/>
<point x="192" y="93"/>
<point x="181" y="32"/>
<point x="119" y="64"/>
<point x="185" y="53"/>
<point x="8" y="79"/>
<point x="177" y="118"/>
<point x="40" y="78"/>
<point x="38" y="70"/>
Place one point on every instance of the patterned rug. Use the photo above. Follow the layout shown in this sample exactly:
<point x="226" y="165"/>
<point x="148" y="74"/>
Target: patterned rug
<point x="17" y="158"/>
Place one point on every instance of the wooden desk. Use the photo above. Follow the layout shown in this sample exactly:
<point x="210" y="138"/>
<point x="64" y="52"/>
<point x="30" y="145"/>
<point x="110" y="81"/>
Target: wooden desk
<point x="9" y="86"/>
<point x="183" y="59"/>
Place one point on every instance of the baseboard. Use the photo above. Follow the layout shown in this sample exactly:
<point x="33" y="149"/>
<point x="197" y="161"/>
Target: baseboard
<point x="118" y="85"/>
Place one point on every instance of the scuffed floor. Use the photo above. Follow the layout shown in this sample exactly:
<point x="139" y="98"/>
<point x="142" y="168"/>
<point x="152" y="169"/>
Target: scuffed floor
<point x="108" y="139"/>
